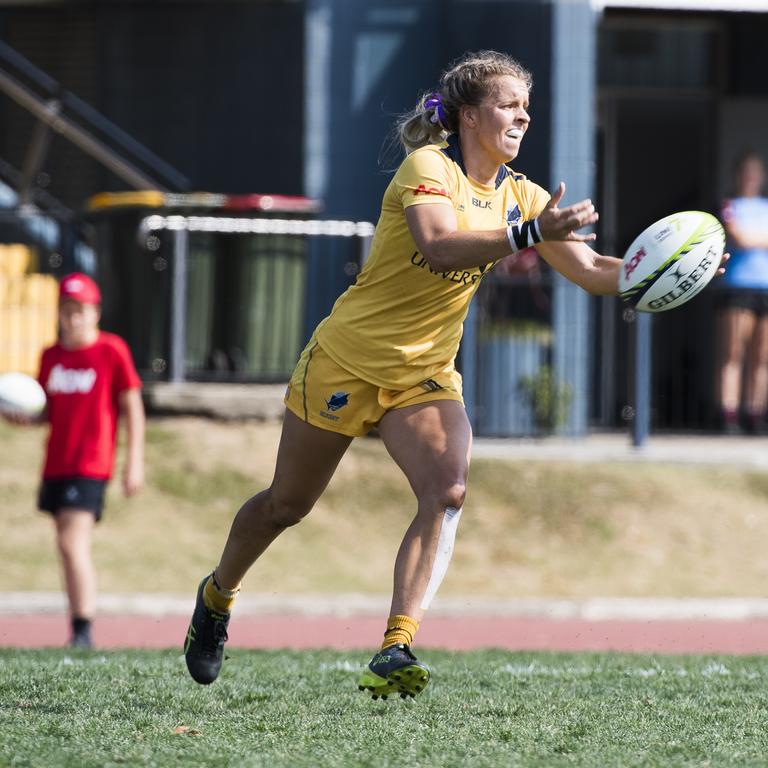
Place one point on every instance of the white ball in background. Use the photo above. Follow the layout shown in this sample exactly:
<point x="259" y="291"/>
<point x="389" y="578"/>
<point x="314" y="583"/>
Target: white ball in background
<point x="21" y="395"/>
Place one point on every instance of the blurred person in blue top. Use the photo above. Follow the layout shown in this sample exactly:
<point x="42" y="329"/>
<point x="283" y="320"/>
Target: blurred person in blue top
<point x="743" y="371"/>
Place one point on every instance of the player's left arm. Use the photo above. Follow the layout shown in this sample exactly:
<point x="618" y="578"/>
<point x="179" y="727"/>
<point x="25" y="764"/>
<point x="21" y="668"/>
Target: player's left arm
<point x="577" y="262"/>
<point x="132" y="409"/>
<point x="588" y="269"/>
<point x="567" y="252"/>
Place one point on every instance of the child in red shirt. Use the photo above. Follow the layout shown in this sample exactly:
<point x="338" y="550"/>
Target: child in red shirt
<point x="89" y="379"/>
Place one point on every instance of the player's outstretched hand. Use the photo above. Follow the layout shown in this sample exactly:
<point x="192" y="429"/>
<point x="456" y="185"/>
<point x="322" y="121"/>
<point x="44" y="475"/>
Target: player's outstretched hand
<point x="561" y="223"/>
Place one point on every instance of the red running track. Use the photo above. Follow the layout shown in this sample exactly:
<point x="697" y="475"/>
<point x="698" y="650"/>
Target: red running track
<point x="301" y="632"/>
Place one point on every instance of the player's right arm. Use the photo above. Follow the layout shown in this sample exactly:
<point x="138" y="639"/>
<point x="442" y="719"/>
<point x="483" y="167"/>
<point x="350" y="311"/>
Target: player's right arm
<point x="434" y="229"/>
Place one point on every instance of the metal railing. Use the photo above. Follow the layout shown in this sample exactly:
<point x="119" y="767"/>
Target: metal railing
<point x="57" y="110"/>
<point x="238" y="290"/>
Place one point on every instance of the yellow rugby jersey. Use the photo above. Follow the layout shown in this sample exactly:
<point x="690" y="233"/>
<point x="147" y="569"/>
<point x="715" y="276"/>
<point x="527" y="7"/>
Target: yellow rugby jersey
<point x="401" y="322"/>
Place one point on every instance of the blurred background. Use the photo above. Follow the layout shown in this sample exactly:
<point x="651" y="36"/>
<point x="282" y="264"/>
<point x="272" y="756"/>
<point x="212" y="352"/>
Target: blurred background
<point x="219" y="166"/>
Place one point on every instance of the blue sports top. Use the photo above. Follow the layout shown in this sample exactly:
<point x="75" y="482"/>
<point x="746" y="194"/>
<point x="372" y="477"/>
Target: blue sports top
<point x="748" y="267"/>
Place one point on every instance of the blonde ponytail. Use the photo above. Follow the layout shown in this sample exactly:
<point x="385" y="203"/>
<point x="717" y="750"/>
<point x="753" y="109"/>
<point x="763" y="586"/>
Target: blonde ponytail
<point x="419" y="127"/>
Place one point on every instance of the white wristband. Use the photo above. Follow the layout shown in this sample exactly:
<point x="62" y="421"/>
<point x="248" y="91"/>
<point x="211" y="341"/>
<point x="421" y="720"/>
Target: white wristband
<point x="523" y="234"/>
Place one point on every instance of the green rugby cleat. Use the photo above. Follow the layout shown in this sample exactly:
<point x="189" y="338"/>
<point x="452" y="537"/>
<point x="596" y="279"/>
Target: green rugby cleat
<point x="394" y="670"/>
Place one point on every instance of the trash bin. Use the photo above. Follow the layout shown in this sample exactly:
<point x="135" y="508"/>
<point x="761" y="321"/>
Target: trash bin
<point x="266" y="298"/>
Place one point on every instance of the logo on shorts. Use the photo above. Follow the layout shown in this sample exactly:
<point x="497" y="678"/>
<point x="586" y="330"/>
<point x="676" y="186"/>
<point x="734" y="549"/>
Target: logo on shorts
<point x="334" y="402"/>
<point x="71" y="493"/>
<point x="430" y="385"/>
<point x="337" y="400"/>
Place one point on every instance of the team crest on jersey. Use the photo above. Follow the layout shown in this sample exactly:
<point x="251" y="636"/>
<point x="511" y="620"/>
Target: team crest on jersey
<point x="514" y="215"/>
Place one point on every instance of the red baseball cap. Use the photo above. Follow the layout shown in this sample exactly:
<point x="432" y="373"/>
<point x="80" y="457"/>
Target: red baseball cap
<point x="79" y="287"/>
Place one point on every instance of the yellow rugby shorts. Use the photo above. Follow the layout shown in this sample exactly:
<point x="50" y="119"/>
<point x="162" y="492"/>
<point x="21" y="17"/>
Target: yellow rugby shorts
<point x="325" y="395"/>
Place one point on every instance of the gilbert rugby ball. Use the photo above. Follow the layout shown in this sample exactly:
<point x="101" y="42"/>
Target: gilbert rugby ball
<point x="21" y="395"/>
<point x="671" y="261"/>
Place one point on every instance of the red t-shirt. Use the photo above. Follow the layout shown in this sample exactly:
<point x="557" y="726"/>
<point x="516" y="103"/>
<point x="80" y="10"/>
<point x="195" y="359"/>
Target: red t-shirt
<point x="82" y="386"/>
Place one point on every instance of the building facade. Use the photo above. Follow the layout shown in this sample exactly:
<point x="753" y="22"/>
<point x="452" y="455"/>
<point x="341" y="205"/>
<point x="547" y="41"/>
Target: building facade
<point x="640" y="105"/>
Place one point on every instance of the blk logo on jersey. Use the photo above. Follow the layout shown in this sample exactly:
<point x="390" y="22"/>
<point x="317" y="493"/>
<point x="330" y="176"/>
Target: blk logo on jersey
<point x="481" y="203"/>
<point x="69" y="381"/>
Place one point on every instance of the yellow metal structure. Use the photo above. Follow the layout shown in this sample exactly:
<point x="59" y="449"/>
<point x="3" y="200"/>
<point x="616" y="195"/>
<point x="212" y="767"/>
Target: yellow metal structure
<point x="28" y="309"/>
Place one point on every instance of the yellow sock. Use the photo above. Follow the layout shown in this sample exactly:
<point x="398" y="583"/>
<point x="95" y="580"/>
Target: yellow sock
<point x="218" y="599"/>
<point x="400" y="629"/>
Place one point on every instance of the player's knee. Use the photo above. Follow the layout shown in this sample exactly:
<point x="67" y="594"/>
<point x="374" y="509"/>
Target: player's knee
<point x="287" y="511"/>
<point x="452" y="495"/>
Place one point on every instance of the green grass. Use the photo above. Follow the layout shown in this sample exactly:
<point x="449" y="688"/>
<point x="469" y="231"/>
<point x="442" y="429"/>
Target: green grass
<point x="275" y="708"/>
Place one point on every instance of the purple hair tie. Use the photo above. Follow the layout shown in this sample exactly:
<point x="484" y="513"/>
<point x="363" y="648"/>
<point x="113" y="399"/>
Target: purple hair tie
<point x="435" y="102"/>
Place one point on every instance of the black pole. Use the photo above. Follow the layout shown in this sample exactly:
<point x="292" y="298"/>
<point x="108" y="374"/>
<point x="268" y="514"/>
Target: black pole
<point x="641" y="424"/>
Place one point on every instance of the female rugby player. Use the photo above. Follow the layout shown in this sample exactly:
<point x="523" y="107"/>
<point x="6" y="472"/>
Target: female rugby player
<point x="384" y="357"/>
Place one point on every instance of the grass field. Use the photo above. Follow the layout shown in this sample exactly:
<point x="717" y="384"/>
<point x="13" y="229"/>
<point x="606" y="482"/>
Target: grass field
<point x="60" y="708"/>
<point x="543" y="529"/>
<point x="530" y="529"/>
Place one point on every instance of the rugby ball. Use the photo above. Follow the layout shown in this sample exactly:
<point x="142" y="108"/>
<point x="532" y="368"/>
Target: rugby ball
<point x="671" y="261"/>
<point x="21" y="395"/>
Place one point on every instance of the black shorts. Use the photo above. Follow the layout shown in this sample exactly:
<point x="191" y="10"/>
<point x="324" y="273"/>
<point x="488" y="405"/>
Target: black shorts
<point x="72" y="493"/>
<point x="753" y="299"/>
